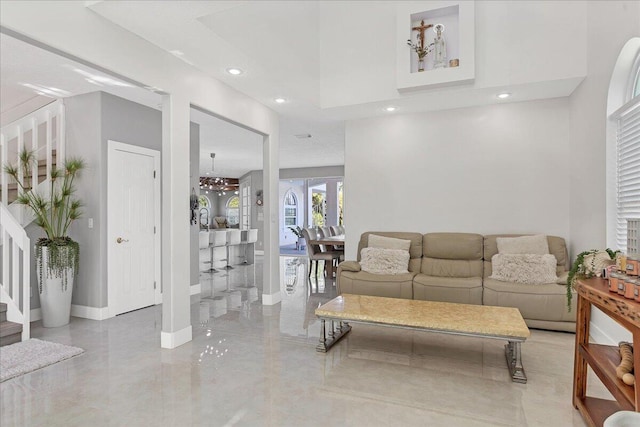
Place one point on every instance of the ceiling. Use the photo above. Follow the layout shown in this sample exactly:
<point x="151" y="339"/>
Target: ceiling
<point x="26" y="70"/>
<point x="336" y="60"/>
<point x="331" y="61"/>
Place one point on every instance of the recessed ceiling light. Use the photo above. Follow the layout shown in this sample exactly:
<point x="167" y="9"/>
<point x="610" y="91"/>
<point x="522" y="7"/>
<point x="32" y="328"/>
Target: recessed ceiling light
<point x="504" y="95"/>
<point x="390" y="109"/>
<point x="280" y="100"/>
<point x="234" y="71"/>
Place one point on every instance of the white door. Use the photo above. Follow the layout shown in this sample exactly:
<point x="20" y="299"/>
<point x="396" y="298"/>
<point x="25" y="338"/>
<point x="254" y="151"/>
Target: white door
<point x="133" y="224"/>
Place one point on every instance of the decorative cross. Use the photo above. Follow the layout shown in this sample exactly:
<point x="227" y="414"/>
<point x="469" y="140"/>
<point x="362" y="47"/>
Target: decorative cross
<point x="422" y="28"/>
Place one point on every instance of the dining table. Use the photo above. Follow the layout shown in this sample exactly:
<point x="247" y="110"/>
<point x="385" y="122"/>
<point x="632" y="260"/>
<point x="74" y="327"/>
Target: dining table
<point x="337" y="240"/>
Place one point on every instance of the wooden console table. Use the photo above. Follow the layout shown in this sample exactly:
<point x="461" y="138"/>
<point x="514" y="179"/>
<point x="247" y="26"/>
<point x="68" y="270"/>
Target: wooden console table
<point x="603" y="359"/>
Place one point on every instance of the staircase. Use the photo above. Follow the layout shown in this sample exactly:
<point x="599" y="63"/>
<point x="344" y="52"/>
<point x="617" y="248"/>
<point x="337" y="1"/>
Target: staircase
<point x="10" y="332"/>
<point x="12" y="192"/>
<point x="43" y="133"/>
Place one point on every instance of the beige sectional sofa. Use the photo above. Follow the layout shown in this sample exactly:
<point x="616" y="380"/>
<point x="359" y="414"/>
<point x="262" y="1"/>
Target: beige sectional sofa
<point x="455" y="267"/>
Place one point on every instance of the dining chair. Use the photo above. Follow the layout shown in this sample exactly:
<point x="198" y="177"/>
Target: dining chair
<point x="314" y="252"/>
<point x="326" y="232"/>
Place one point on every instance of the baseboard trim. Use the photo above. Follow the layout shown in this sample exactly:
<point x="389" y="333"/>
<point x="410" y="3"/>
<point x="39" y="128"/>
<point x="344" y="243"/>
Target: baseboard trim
<point x="172" y="340"/>
<point x="599" y="336"/>
<point x="93" y="313"/>
<point x="271" y="299"/>
<point x="195" y="289"/>
<point x="259" y="252"/>
<point x="35" y="314"/>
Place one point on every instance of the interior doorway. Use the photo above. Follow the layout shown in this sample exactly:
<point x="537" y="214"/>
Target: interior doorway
<point x="133" y="228"/>
<point x="308" y="202"/>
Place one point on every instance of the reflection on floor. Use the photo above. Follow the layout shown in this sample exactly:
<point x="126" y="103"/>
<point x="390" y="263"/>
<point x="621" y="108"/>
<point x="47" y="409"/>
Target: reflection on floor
<point x="255" y="365"/>
<point x="293" y="251"/>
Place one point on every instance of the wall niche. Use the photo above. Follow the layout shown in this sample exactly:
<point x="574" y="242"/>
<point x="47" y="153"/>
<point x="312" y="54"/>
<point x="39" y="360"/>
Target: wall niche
<point x="446" y="30"/>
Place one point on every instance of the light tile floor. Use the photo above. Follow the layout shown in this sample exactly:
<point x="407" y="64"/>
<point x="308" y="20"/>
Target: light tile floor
<point x="255" y="365"/>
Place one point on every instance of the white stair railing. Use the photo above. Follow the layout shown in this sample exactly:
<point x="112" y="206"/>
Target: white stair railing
<point x="42" y="132"/>
<point x="15" y="269"/>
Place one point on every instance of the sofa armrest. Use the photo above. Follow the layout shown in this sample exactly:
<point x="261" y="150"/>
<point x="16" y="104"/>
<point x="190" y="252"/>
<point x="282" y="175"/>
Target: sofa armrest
<point x="562" y="278"/>
<point x="349" y="266"/>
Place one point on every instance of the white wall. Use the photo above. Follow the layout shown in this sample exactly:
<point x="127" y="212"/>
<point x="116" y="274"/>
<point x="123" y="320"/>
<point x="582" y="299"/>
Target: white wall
<point x="496" y="169"/>
<point x="610" y="25"/>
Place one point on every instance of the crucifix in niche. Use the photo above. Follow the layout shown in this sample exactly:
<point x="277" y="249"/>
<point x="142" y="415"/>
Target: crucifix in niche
<point x="419" y="48"/>
<point x="421" y="30"/>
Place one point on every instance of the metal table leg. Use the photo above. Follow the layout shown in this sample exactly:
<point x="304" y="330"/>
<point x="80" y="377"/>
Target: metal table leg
<point x="335" y="335"/>
<point x="514" y="361"/>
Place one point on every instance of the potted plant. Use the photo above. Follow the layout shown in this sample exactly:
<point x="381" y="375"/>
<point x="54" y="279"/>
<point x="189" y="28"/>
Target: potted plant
<point x="57" y="255"/>
<point x="298" y="232"/>
<point x="588" y="264"/>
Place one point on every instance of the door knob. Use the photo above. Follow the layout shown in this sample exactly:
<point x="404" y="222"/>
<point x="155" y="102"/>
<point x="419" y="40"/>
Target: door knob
<point x="120" y="240"/>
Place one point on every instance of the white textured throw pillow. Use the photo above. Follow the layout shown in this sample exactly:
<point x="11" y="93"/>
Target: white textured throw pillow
<point x="384" y="261"/>
<point x="524" y="268"/>
<point x="382" y="242"/>
<point x="537" y="245"/>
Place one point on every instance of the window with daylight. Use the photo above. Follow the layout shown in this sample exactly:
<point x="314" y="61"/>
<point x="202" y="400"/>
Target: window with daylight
<point x="626" y="120"/>
<point x="233" y="210"/>
<point x="290" y="209"/>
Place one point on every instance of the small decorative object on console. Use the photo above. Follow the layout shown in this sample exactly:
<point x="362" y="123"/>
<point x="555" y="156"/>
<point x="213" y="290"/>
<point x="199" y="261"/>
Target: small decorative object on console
<point x="589" y="264"/>
<point x="625" y="368"/>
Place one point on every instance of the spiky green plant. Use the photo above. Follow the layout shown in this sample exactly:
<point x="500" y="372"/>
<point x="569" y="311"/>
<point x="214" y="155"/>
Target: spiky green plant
<point x="54" y="213"/>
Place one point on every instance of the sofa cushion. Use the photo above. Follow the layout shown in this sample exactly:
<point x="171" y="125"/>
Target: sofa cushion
<point x="463" y="290"/>
<point x="452" y="255"/>
<point x="539" y="302"/>
<point x="524" y="268"/>
<point x="383" y="242"/>
<point x="415" y="250"/>
<point x="382" y="285"/>
<point x="451" y="268"/>
<point x="466" y="246"/>
<point x="523" y="245"/>
<point x="557" y="248"/>
<point x="384" y="261"/>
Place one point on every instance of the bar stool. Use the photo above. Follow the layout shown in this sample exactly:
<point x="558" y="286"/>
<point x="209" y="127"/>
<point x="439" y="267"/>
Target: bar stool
<point x="217" y="239"/>
<point x="203" y="243"/>
<point x="234" y="237"/>
<point x="252" y="237"/>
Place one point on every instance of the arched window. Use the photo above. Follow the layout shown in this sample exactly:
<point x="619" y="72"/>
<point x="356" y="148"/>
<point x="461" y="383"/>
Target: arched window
<point x="623" y="150"/>
<point x="290" y="209"/>
<point x="233" y="210"/>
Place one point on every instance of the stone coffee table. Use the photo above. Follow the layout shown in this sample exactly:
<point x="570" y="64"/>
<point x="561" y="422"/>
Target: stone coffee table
<point x="503" y="323"/>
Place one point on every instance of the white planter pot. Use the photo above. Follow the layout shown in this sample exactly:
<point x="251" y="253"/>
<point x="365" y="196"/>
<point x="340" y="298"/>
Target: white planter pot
<point x="55" y="300"/>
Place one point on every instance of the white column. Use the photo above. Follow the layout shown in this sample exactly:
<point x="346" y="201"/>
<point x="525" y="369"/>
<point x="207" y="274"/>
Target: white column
<point x="271" y="178"/>
<point x="332" y="202"/>
<point x="176" y="316"/>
